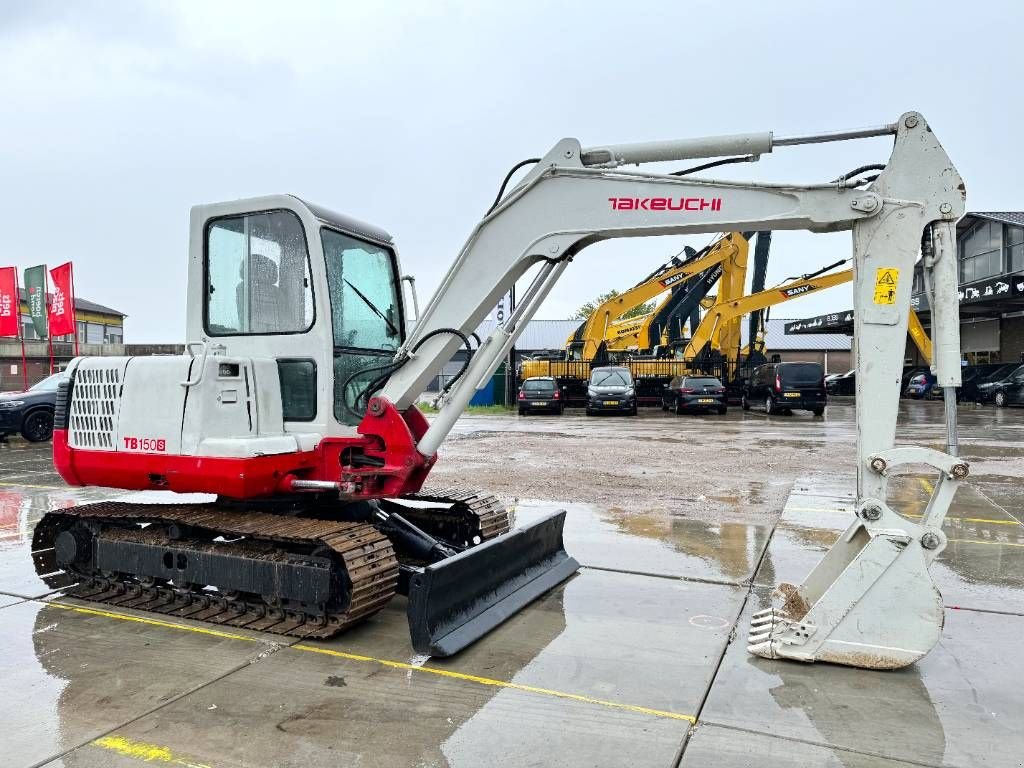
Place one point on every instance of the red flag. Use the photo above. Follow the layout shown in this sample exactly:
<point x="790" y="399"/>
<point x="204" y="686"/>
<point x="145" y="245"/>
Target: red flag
<point x="62" y="304"/>
<point x="9" y="302"/>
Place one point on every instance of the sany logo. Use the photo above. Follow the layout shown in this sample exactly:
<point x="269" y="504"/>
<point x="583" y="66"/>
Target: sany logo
<point x="673" y="280"/>
<point x="797" y="290"/>
<point x="665" y="203"/>
<point x="6" y="305"/>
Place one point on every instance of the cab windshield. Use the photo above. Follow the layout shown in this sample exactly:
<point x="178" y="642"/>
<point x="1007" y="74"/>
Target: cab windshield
<point x="366" y="316"/>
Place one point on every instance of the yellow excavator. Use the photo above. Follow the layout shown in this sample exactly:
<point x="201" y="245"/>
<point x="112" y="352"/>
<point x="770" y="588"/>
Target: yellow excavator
<point x="728" y="254"/>
<point x="710" y="335"/>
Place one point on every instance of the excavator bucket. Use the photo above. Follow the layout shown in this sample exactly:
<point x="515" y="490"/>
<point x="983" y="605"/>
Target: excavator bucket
<point x="870" y="602"/>
<point x="456" y="601"/>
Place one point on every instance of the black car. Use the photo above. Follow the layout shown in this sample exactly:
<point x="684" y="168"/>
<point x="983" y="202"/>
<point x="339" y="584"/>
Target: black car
<point x="541" y="394"/>
<point x="687" y="393"/>
<point x="31" y="412"/>
<point x="843" y="384"/>
<point x="786" y="387"/>
<point x="1004" y="391"/>
<point x="611" y="390"/>
<point x="970" y="376"/>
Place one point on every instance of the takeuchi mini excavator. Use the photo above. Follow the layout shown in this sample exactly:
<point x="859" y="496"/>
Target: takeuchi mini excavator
<point x="295" y="407"/>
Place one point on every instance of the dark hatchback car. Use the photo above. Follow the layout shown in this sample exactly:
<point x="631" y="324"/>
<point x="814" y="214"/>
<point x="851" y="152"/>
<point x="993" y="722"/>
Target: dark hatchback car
<point x="611" y="390"/>
<point x="30" y="412"/>
<point x="920" y="385"/>
<point x="786" y="387"/>
<point x="843" y="384"/>
<point x="541" y="394"/>
<point x="692" y="393"/>
<point x="1005" y="390"/>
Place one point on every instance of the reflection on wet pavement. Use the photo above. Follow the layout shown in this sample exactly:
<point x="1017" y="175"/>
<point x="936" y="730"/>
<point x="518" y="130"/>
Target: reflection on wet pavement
<point x="657" y="544"/>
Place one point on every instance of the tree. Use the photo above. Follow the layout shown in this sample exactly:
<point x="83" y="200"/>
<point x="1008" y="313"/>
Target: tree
<point x="587" y="309"/>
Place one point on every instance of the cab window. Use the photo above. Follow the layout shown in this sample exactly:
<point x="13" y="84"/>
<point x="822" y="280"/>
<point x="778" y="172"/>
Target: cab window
<point x="362" y="282"/>
<point x="257" y="275"/>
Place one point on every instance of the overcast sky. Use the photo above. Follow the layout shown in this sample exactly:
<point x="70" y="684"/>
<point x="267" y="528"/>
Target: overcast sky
<point x="116" y="117"/>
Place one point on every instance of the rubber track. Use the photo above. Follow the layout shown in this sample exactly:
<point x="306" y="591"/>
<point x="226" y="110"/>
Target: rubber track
<point x="488" y="517"/>
<point x="367" y="554"/>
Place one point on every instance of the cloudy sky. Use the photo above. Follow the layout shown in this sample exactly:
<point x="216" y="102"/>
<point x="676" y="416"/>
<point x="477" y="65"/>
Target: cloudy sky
<point x="116" y="117"/>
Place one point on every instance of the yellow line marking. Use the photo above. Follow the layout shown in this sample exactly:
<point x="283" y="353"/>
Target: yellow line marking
<point x="995" y="543"/>
<point x="151" y="622"/>
<point x="140" y="750"/>
<point x="925" y="483"/>
<point x="949" y="519"/>
<point x="383" y="662"/>
<point x="496" y="683"/>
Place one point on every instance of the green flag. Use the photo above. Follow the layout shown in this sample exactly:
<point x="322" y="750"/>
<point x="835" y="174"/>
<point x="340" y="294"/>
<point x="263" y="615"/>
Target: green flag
<point x="35" y="286"/>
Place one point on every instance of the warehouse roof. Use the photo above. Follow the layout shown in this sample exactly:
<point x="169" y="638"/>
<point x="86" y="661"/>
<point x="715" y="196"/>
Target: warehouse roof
<point x="552" y="334"/>
<point x="84" y="305"/>
<point x="538" y="334"/>
<point x="1007" y="217"/>
<point x="777" y="340"/>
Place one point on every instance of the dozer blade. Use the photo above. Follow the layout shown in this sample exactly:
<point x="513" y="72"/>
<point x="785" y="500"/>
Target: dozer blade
<point x="454" y="602"/>
<point x="869" y="603"/>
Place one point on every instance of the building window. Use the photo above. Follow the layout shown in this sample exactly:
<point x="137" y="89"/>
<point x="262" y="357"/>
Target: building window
<point x="1014" y="249"/>
<point x="981" y="252"/>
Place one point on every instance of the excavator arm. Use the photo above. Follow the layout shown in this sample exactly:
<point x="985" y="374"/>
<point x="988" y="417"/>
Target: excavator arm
<point x="870" y="602"/>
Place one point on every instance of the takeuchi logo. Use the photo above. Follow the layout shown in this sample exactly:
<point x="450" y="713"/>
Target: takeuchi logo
<point x="665" y="203"/>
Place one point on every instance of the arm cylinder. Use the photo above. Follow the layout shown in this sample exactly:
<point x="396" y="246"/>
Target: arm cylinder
<point x="615" y="155"/>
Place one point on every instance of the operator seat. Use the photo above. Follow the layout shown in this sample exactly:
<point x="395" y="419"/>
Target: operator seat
<point x="265" y="311"/>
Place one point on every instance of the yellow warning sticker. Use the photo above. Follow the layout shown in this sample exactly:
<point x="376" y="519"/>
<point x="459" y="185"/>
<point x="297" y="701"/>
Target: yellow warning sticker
<point x="886" y="280"/>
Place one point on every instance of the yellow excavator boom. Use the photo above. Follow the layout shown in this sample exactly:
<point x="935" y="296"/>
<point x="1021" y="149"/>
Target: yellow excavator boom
<point x="724" y="313"/>
<point x="584" y="343"/>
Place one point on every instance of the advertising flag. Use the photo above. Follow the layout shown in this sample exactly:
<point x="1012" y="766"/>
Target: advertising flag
<point x="35" y="287"/>
<point x="62" y="304"/>
<point x="9" y="304"/>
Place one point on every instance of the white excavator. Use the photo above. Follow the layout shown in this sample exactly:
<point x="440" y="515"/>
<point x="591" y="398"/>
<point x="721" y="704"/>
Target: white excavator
<point x="295" y="406"/>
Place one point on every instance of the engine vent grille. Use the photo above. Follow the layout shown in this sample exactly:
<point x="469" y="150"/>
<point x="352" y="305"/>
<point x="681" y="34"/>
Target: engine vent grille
<point x="94" y="406"/>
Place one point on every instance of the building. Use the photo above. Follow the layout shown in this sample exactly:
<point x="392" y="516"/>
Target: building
<point x="832" y="350"/>
<point x="990" y="256"/>
<point x="538" y="337"/>
<point x="990" y="269"/>
<point x="100" y="331"/>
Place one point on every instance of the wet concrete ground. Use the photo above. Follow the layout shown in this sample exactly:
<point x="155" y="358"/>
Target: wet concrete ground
<point x="639" y="660"/>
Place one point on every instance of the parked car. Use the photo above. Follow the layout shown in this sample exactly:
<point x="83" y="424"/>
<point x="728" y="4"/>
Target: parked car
<point x="910" y="372"/>
<point x="971" y="376"/>
<point x="690" y="393"/>
<point x="30" y="412"/>
<point x="1005" y="390"/>
<point x="541" y="394"/>
<point x="786" y="387"/>
<point x="919" y="385"/>
<point x="611" y="389"/>
<point x="842" y="384"/>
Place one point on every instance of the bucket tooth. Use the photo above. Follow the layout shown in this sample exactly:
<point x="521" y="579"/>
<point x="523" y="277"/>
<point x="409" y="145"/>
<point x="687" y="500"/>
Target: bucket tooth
<point x="764" y="650"/>
<point x="766" y="613"/>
